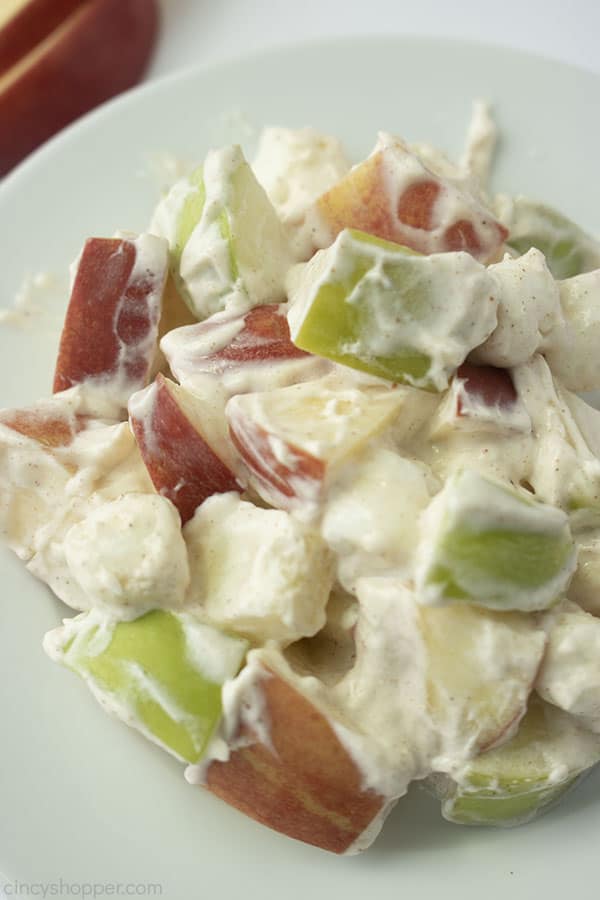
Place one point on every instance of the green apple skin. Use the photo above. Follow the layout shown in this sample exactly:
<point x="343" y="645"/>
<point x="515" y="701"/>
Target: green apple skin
<point x="513" y="783"/>
<point x="150" y="673"/>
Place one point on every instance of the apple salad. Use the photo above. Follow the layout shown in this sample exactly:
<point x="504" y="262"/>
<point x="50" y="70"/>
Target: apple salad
<point x="319" y="489"/>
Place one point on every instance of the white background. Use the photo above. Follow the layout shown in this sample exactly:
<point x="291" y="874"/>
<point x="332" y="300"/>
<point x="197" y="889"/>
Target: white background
<point x="204" y="31"/>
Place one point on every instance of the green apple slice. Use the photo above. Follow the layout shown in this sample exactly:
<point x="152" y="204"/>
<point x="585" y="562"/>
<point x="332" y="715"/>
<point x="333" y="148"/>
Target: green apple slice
<point x="227" y="242"/>
<point x="379" y="307"/>
<point x="510" y="785"/>
<point x="486" y="544"/>
<point x="161" y="673"/>
<point x="568" y="249"/>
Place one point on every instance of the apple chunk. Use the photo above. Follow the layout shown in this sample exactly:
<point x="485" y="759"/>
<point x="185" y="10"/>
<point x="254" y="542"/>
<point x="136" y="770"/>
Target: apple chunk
<point x="295" y="439"/>
<point x="486" y="544"/>
<point x="245" y="352"/>
<point x="380" y="308"/>
<point x="109" y="339"/>
<point x="227" y="242"/>
<point x="394" y="196"/>
<point x="75" y="56"/>
<point x="510" y="785"/>
<point x="294" y="775"/>
<point x="161" y="673"/>
<point x="186" y="454"/>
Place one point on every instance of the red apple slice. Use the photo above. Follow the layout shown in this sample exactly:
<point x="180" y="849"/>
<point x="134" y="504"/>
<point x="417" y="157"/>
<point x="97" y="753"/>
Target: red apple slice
<point x="298" y="778"/>
<point x="394" y="196"/>
<point x="181" y="445"/>
<point x="110" y="335"/>
<point x="99" y="49"/>
<point x="295" y="439"/>
<point x="252" y="351"/>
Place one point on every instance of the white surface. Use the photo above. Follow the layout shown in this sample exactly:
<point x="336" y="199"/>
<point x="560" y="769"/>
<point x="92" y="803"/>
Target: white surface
<point x="85" y="800"/>
<point x="202" y="31"/>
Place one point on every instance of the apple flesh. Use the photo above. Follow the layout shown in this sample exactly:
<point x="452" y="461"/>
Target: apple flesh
<point x="110" y="335"/>
<point x="227" y="242"/>
<point x="510" y="785"/>
<point x="385" y="310"/>
<point x="186" y="455"/>
<point x="295" y="776"/>
<point x="486" y="544"/>
<point x="293" y="440"/>
<point x="97" y="50"/>
<point x="394" y="196"/>
<point x="473" y="704"/>
<point x="161" y="673"/>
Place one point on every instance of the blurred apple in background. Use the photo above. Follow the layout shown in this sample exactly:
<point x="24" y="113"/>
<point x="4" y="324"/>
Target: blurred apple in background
<point x="60" y="58"/>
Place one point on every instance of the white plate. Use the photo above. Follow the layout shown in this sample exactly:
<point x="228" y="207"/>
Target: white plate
<point x="84" y="799"/>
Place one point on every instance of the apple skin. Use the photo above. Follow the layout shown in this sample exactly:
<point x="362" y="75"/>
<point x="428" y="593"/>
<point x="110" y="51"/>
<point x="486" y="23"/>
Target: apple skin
<point x="111" y="307"/>
<point x="101" y="49"/>
<point x="180" y="460"/>
<point x="49" y="430"/>
<point x="488" y="384"/>
<point x="305" y="784"/>
<point x="33" y="21"/>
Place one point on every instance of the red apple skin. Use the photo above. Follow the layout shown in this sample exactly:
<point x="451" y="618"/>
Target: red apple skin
<point x="29" y="26"/>
<point x="305" y="785"/>
<point x="361" y="200"/>
<point x="102" y="49"/>
<point x="107" y="310"/>
<point x="275" y="477"/>
<point x="488" y="384"/>
<point x="181" y="464"/>
<point x="48" y="430"/>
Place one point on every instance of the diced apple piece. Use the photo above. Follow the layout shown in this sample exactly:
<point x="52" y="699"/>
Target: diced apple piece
<point x="161" y="673"/>
<point x="584" y="588"/>
<point x="295" y="439"/>
<point x="394" y="196"/>
<point x="129" y="555"/>
<point x="564" y="464"/>
<point x="289" y="770"/>
<point x="422" y="689"/>
<point x="257" y="571"/>
<point x="510" y="785"/>
<point x="295" y="166"/>
<point x="109" y="339"/>
<point x="50" y="424"/>
<point x="361" y="522"/>
<point x="480" y="399"/>
<point x="181" y="445"/>
<point x="475" y="704"/>
<point x="73" y="57"/>
<point x="249" y="352"/>
<point x="570" y="674"/>
<point x="227" y="243"/>
<point x="568" y="249"/>
<point x="572" y="349"/>
<point x="105" y="465"/>
<point x="377" y="307"/>
<point x="528" y="310"/>
<point x="484" y="543"/>
<point x="32" y="483"/>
